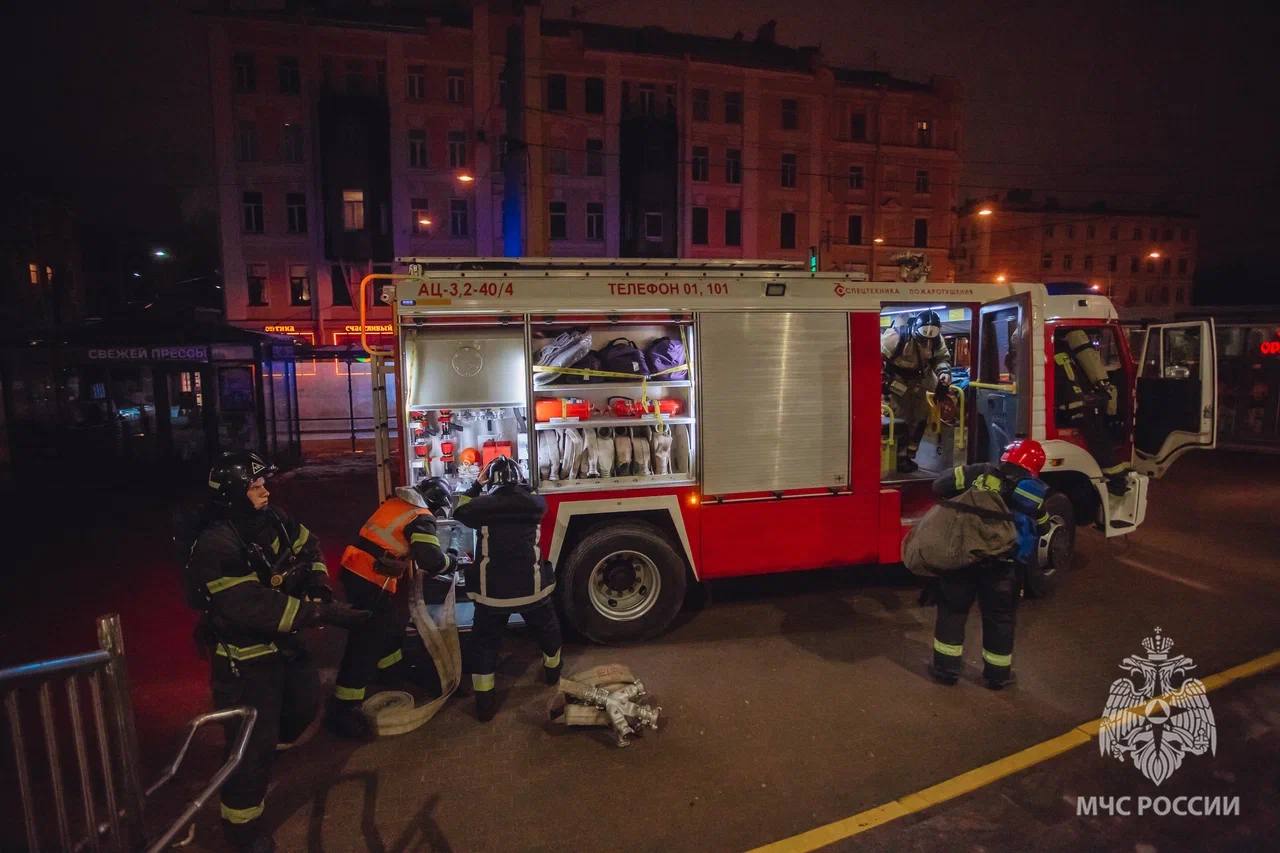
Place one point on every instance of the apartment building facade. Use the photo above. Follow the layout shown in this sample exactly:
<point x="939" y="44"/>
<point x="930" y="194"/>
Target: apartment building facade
<point x="344" y="143"/>
<point x="1145" y="261"/>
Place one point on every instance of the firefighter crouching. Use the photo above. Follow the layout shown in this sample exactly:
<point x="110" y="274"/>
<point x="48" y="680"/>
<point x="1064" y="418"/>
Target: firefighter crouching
<point x="993" y="580"/>
<point x="402" y="528"/>
<point x="259" y="577"/>
<point x="1082" y="391"/>
<point x="916" y="361"/>
<point x="507" y="576"/>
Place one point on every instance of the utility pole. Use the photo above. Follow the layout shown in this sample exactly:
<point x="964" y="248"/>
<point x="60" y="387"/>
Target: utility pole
<point x="515" y="173"/>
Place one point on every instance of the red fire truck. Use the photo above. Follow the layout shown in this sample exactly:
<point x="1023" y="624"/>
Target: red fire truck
<point x="769" y="448"/>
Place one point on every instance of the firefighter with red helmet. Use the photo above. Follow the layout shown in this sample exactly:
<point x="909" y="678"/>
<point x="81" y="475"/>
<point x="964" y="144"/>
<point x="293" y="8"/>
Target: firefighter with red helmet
<point x="916" y="361"/>
<point x="259" y="577"/>
<point x="992" y="581"/>
<point x="508" y="575"/>
<point x="404" y="527"/>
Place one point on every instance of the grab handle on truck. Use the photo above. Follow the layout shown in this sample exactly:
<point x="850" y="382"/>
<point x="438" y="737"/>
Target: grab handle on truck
<point x="364" y="283"/>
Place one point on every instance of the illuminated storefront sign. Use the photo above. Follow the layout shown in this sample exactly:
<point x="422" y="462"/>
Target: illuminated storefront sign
<point x="166" y="353"/>
<point x="1269" y="347"/>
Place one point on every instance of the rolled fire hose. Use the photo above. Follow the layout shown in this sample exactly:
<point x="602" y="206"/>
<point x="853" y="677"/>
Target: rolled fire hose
<point x="661" y="440"/>
<point x="395" y="712"/>
<point x="590" y="466"/>
<point x="609" y="693"/>
<point x="642" y="463"/>
<point x="570" y="453"/>
<point x="622" y="451"/>
<point x="605" y="448"/>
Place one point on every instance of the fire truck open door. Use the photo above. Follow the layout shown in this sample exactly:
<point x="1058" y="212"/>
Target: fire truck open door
<point x="1177" y="395"/>
<point x="1002" y="389"/>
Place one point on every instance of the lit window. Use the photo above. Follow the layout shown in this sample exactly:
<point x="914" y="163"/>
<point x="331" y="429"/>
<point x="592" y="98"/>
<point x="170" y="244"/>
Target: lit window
<point x="924" y="134"/>
<point x="34" y="270"/>
<point x="299" y="285"/>
<point x="353" y="210"/>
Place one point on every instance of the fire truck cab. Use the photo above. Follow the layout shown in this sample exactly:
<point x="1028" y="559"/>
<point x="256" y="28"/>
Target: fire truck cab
<point x="758" y="439"/>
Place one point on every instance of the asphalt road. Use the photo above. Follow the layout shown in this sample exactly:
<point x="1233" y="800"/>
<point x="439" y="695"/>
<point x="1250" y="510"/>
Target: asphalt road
<point x="789" y="702"/>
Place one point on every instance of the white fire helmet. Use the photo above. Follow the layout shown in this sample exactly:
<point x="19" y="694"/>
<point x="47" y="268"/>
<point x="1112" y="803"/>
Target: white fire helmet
<point x="928" y="324"/>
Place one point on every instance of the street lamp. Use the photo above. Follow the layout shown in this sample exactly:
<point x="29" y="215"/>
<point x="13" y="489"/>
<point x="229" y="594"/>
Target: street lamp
<point x="424" y="221"/>
<point x="877" y="239"/>
<point x="986" y="211"/>
<point x="1000" y="279"/>
<point x="159" y="253"/>
<point x="465" y="178"/>
<point x="1154" y="255"/>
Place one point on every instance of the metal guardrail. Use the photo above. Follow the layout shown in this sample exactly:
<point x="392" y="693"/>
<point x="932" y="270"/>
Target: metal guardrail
<point x="119" y="781"/>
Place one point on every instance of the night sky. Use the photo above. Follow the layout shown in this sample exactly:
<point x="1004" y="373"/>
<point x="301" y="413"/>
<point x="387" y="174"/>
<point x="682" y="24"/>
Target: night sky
<point x="1134" y="103"/>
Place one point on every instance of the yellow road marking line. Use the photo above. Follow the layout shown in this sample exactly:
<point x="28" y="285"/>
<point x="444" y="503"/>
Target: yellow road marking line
<point x="980" y="777"/>
<point x="1170" y="576"/>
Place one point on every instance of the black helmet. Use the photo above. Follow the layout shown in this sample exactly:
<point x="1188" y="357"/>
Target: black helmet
<point x="502" y="471"/>
<point x="233" y="473"/>
<point x="925" y="320"/>
<point x="438" y="494"/>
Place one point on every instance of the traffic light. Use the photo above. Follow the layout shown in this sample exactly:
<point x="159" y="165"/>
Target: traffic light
<point x="813" y="259"/>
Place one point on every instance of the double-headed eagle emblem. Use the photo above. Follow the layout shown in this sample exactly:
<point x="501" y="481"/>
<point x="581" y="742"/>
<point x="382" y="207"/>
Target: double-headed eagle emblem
<point x="1156" y="724"/>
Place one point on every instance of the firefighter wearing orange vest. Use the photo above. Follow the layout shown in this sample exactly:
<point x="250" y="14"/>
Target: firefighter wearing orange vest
<point x="402" y="528"/>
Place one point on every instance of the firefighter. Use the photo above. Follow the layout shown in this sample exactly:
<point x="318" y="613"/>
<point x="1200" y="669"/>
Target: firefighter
<point x="916" y="361"/>
<point x="260" y="578"/>
<point x="508" y="575"/>
<point x="402" y="528"/>
<point x="993" y="581"/>
<point x="1082" y="392"/>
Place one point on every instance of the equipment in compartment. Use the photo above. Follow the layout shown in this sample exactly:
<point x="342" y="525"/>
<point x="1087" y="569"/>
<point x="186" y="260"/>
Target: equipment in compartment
<point x="570" y="453"/>
<point x="561" y="408"/>
<point x="565" y="351"/>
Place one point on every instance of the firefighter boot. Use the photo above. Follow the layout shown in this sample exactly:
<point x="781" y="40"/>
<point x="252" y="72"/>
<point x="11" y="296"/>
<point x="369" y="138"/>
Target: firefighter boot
<point x="943" y="676"/>
<point x="486" y="705"/>
<point x="247" y="837"/>
<point x="345" y="720"/>
<point x="551" y="669"/>
<point x="1118" y="485"/>
<point x="906" y="465"/>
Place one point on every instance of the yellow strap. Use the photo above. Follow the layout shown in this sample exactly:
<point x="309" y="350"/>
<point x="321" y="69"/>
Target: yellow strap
<point x="948" y="650"/>
<point x="245" y="652"/>
<point x="1011" y="387"/>
<point x="605" y="374"/>
<point x="303" y="535"/>
<point x="242" y="815"/>
<point x="275" y="545"/>
<point x="997" y="660"/>
<point x="319" y="567"/>
<point x="424" y="537"/>
<point x="290" y="611"/>
<point x="391" y="659"/>
<point x="960" y="478"/>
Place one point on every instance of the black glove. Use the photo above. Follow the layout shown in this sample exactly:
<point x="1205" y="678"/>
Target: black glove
<point x="319" y="592"/>
<point x="342" y="615"/>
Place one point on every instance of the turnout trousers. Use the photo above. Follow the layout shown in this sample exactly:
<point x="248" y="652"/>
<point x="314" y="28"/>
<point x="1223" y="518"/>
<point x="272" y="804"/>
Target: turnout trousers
<point x="373" y="649"/>
<point x="994" y="584"/>
<point x="284" y="688"/>
<point x="486" y="638"/>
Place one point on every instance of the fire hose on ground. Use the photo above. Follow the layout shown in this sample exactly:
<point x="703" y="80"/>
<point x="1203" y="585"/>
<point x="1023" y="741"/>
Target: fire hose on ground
<point x="605" y="696"/>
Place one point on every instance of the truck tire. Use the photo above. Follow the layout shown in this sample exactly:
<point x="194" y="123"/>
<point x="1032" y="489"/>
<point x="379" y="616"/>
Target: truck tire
<point x="623" y="583"/>
<point x="1057" y="548"/>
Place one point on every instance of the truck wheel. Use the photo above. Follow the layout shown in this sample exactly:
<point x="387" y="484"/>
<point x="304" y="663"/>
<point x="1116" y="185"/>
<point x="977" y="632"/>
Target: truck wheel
<point x="623" y="583"/>
<point x="1057" y="548"/>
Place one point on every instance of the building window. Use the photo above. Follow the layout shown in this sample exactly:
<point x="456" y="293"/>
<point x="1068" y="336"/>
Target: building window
<point x="653" y="227"/>
<point x="1089" y="232"/>
<point x="299" y="285"/>
<point x="787" y="231"/>
<point x="416" y="83"/>
<point x="247" y="142"/>
<point x="733" y="227"/>
<point x="457" y="149"/>
<point x="1164" y="295"/>
<point x="557" y="92"/>
<point x="594" y="91"/>
<point x="701" y="163"/>
<point x="290" y="75"/>
<point x="595" y="157"/>
<point x="648" y="95"/>
<point x="595" y="220"/>
<point x="256" y="278"/>
<point x="419" y="215"/>
<point x="457" y="87"/>
<point x="354" y="75"/>
<point x="252" y="207"/>
<point x="1153" y="235"/>
<point x="418" y="149"/>
<point x="701" y="105"/>
<point x="922" y="234"/>
<point x="458" y="217"/>
<point x="733" y="107"/>
<point x="353" y="210"/>
<point x="1068" y="261"/>
<point x="1180" y="295"/>
<point x="1115" y="232"/>
<point x="1048" y="231"/>
<point x="1182" y="266"/>
<point x="699" y="222"/>
<point x="855" y="177"/>
<point x="922" y="181"/>
<point x="732" y="166"/>
<point x="1113" y="263"/>
<point x="1046" y="261"/>
<point x="245" y="72"/>
<point x="855" y="231"/>
<point x="858" y="126"/>
<point x="1150" y="295"/>
<point x="1151" y="266"/>
<point x="1186" y="234"/>
<point x="790" y="114"/>
<point x="380" y="75"/>
<point x="1071" y="232"/>
<point x="964" y="235"/>
<point x="924" y="134"/>
<point x="295" y="205"/>
<point x="1131" y="298"/>
<point x="34" y="271"/>
<point x="1167" y="236"/>
<point x="559" y="161"/>
<point x="292" y="143"/>
<point x="559" y="220"/>
<point x="788" y="170"/>
<point x="1137" y="233"/>
<point x="1088" y="262"/>
<point x="1166" y="266"/>
<point x="1133" y="265"/>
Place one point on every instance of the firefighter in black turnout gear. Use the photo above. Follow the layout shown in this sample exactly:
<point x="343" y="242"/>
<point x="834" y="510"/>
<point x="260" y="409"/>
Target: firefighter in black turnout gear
<point x="259" y="577"/>
<point x="507" y="576"/>
<point x="403" y="527"/>
<point x="1082" y="391"/>
<point x="992" y="581"/>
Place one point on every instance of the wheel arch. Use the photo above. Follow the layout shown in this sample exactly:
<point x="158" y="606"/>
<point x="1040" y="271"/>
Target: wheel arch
<point x="575" y="519"/>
